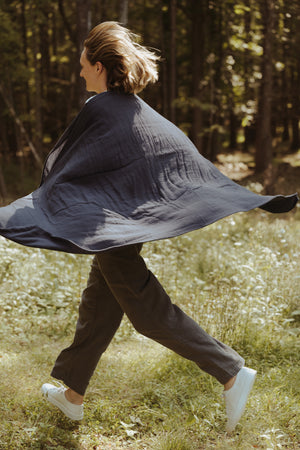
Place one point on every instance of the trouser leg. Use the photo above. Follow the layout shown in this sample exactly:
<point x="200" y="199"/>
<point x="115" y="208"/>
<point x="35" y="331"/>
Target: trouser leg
<point x="124" y="284"/>
<point x="152" y="313"/>
<point x="99" y="317"/>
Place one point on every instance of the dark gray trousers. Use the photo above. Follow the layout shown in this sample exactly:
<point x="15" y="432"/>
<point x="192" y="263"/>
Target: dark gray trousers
<point x="120" y="282"/>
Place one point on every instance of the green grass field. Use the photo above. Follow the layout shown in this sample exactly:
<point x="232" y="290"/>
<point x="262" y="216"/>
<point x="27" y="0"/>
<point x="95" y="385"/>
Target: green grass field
<point x="239" y="278"/>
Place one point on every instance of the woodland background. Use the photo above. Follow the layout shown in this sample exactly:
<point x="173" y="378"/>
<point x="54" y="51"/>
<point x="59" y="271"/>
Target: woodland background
<point x="229" y="75"/>
<point x="230" y="79"/>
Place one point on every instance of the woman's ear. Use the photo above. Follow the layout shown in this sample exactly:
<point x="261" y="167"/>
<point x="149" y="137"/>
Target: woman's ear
<point x="99" y="67"/>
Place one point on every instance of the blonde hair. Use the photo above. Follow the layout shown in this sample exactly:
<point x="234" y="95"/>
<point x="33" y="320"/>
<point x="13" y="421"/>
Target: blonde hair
<point x="130" y="66"/>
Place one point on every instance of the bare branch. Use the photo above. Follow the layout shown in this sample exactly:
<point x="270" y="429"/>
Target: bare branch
<point x="66" y="22"/>
<point x="21" y="127"/>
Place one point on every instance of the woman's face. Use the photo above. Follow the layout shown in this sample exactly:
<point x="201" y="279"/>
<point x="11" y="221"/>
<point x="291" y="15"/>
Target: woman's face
<point x="90" y="73"/>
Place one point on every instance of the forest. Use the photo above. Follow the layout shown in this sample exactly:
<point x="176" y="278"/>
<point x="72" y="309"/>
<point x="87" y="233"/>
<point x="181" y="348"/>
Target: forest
<point x="230" y="79"/>
<point x="229" y="74"/>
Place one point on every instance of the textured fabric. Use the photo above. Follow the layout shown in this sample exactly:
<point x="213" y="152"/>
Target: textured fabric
<point x="122" y="174"/>
<point x="120" y="282"/>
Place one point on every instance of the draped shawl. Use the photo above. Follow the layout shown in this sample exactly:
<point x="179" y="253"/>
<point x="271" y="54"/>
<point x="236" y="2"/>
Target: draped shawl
<point x="122" y="174"/>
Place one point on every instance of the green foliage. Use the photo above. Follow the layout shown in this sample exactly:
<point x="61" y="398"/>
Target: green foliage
<point x="38" y="40"/>
<point x="238" y="278"/>
<point x="12" y="66"/>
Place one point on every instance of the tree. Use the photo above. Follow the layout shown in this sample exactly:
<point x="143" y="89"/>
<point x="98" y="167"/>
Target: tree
<point x="123" y="12"/>
<point x="227" y="68"/>
<point x="198" y="9"/>
<point x="172" y="63"/>
<point x="295" y="74"/>
<point x="21" y="127"/>
<point x="3" y="189"/>
<point x="83" y="27"/>
<point x="264" y="146"/>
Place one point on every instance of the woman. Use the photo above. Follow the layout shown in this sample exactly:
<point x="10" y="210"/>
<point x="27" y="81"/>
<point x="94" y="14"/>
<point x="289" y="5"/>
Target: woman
<point x="119" y="176"/>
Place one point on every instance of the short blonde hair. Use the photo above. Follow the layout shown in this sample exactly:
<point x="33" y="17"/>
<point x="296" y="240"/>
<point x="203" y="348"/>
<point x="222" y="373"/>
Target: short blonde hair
<point x="130" y="66"/>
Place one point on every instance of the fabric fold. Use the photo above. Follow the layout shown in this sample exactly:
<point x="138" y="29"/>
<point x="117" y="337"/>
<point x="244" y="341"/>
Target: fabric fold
<point x="123" y="174"/>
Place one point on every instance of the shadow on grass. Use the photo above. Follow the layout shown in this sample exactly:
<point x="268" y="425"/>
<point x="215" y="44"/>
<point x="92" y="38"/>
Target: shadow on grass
<point x="27" y="420"/>
<point x="141" y="397"/>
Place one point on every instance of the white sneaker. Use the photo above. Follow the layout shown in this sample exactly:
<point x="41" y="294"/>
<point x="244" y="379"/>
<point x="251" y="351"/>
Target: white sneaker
<point x="56" y="396"/>
<point x="236" y="397"/>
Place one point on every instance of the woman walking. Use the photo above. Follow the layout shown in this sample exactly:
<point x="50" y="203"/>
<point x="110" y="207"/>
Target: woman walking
<point x="122" y="175"/>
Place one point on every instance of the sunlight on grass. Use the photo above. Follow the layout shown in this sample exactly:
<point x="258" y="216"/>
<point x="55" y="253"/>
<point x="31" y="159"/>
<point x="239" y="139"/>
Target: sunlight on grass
<point x="238" y="278"/>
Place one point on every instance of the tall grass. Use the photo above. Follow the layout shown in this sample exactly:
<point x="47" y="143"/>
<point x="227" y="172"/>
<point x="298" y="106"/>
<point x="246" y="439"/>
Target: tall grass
<point x="239" y="278"/>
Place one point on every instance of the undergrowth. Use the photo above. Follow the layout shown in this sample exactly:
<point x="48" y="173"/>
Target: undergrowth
<point x="238" y="278"/>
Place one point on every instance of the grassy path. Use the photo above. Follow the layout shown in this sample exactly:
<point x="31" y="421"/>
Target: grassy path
<point x="143" y="397"/>
<point x="239" y="278"/>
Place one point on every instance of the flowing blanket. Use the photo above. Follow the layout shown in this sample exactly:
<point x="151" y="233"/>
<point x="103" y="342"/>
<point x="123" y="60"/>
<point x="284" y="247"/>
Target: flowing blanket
<point x="122" y="174"/>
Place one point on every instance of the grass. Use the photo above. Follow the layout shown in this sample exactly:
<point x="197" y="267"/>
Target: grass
<point x="239" y="278"/>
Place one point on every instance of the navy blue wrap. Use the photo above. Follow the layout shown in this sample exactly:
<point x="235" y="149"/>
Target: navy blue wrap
<point x="122" y="174"/>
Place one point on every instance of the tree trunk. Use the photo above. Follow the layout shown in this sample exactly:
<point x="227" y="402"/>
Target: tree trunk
<point x="3" y="190"/>
<point x="103" y="8"/>
<point x="25" y="51"/>
<point x="123" y="17"/>
<point x="20" y="126"/>
<point x="164" y="68"/>
<point x="4" y="146"/>
<point x="216" y="121"/>
<point x="264" y="151"/>
<point x="66" y="23"/>
<point x="198" y="52"/>
<point x="83" y="28"/>
<point x="295" y="144"/>
<point x="247" y="65"/>
<point x="285" y="110"/>
<point x="38" y="135"/>
<point x="232" y="128"/>
<point x="172" y="79"/>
